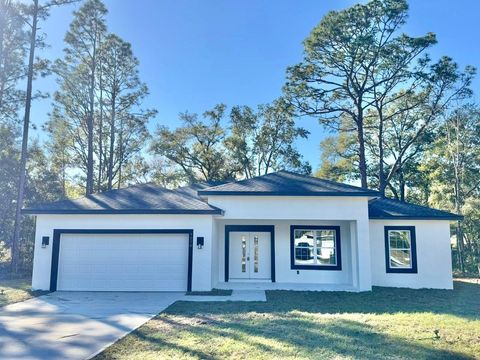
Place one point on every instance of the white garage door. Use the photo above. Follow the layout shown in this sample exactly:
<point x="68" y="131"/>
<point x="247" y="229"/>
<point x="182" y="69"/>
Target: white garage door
<point x="123" y="262"/>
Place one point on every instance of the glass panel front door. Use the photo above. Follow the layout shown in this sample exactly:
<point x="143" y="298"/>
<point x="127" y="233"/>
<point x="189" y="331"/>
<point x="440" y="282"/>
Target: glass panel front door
<point x="250" y="256"/>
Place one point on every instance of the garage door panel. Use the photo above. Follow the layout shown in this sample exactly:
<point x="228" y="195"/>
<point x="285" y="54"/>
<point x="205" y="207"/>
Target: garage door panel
<point x="123" y="262"/>
<point x="127" y="270"/>
<point x="125" y="257"/>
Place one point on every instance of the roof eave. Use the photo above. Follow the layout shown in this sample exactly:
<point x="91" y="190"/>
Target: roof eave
<point x="283" y="193"/>
<point x="121" y="212"/>
<point x="452" y="217"/>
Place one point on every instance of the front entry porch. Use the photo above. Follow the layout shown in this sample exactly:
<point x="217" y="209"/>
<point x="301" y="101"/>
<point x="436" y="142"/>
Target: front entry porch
<point x="298" y="255"/>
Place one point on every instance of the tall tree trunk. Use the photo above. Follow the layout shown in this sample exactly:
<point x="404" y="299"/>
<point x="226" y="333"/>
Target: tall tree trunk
<point x="91" y="114"/>
<point x="362" y="165"/>
<point x="100" y="128"/>
<point x="402" y="183"/>
<point x="100" y="139"/>
<point x="23" y="158"/>
<point x="112" y="143"/>
<point x="459" y="230"/>
<point x="458" y="196"/>
<point x="382" y="184"/>
<point x="64" y="177"/>
<point x="120" y="152"/>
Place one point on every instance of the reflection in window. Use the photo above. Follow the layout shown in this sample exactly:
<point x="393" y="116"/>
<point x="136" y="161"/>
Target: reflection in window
<point x="244" y="254"/>
<point x="315" y="247"/>
<point x="255" y="254"/>
<point x="400" y="248"/>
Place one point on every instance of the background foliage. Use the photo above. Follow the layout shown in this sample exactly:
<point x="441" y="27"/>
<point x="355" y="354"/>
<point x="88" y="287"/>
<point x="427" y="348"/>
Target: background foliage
<point x="400" y="121"/>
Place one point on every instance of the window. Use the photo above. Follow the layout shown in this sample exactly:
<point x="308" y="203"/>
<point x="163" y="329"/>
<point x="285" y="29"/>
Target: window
<point x="244" y="254"/>
<point x="255" y="254"/>
<point x="315" y="247"/>
<point x="400" y="249"/>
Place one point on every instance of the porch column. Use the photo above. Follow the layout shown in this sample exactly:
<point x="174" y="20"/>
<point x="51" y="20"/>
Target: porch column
<point x="363" y="261"/>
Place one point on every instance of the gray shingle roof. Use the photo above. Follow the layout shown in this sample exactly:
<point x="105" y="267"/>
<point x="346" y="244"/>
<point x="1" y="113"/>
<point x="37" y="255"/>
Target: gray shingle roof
<point x="137" y="199"/>
<point x="153" y="199"/>
<point x="285" y="183"/>
<point x="394" y="209"/>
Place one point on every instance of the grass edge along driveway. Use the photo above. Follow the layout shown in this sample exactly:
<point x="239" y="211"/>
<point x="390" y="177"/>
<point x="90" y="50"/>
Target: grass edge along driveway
<point x="16" y="290"/>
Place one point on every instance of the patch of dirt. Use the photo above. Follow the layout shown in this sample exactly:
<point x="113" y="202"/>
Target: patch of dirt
<point x="171" y="323"/>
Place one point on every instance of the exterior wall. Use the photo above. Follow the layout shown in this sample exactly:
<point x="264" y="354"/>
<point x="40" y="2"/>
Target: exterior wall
<point x="301" y="210"/>
<point x="201" y="225"/>
<point x="363" y="248"/>
<point x="434" y="259"/>
<point x="283" y="272"/>
<point x="291" y="207"/>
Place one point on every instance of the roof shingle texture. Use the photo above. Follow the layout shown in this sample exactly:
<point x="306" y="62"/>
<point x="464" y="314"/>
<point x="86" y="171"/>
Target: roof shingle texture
<point x="391" y="209"/>
<point x="287" y="183"/>
<point x="145" y="198"/>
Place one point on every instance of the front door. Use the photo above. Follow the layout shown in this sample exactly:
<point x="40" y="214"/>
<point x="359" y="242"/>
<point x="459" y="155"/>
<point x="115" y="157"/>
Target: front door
<point x="250" y="255"/>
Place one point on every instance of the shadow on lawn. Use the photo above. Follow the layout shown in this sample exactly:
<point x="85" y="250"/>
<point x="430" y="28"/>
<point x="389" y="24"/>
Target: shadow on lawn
<point x="291" y="337"/>
<point x="463" y="301"/>
<point x="284" y="327"/>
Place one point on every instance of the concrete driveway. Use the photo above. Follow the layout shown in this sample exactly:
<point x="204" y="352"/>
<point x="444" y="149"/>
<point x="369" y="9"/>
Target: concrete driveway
<point x="74" y="325"/>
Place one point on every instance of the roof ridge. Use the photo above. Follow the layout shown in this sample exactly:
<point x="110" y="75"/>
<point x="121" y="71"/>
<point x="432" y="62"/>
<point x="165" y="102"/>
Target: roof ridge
<point x="326" y="180"/>
<point x="121" y="189"/>
<point x="313" y="181"/>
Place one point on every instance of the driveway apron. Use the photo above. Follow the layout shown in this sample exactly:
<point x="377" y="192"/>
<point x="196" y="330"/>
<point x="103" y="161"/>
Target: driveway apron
<point x="74" y="325"/>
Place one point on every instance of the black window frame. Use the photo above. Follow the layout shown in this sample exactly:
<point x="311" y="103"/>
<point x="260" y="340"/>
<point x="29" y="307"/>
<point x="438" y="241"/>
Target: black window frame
<point x="338" y="250"/>
<point x="413" y="250"/>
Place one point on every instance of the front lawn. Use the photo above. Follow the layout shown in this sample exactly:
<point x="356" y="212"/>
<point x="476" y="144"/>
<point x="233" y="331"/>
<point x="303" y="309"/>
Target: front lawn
<point x="384" y="323"/>
<point x="15" y="290"/>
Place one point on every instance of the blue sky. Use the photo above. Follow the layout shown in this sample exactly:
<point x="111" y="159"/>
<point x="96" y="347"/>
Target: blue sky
<point x="197" y="53"/>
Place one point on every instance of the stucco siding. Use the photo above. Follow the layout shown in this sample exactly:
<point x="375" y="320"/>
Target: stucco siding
<point x="201" y="225"/>
<point x="434" y="259"/>
<point x="291" y="207"/>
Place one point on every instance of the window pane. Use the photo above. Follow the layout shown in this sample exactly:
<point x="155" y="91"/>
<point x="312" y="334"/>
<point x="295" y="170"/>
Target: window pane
<point x="326" y="247"/>
<point x="244" y="254"/>
<point x="400" y="248"/>
<point x="326" y="256"/>
<point x="255" y="254"/>
<point x="306" y="235"/>
<point x="315" y="247"/>
<point x="400" y="259"/>
<point x="304" y="249"/>
<point x="326" y="238"/>
<point x="399" y="239"/>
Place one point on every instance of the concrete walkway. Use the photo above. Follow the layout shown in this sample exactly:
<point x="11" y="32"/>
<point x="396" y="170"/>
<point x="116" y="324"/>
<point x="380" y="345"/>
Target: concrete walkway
<point x="237" y="295"/>
<point x="79" y="325"/>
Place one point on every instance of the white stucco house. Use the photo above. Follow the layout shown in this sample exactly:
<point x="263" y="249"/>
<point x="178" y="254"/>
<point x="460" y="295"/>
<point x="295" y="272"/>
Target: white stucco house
<point x="278" y="231"/>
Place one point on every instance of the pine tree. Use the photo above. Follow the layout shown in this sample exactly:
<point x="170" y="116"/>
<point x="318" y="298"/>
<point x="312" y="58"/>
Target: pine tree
<point x="78" y="73"/>
<point x="122" y="94"/>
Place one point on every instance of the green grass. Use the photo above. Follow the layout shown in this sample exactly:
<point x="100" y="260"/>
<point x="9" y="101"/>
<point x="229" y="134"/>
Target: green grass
<point x="213" y="292"/>
<point x="15" y="290"/>
<point x="384" y="323"/>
